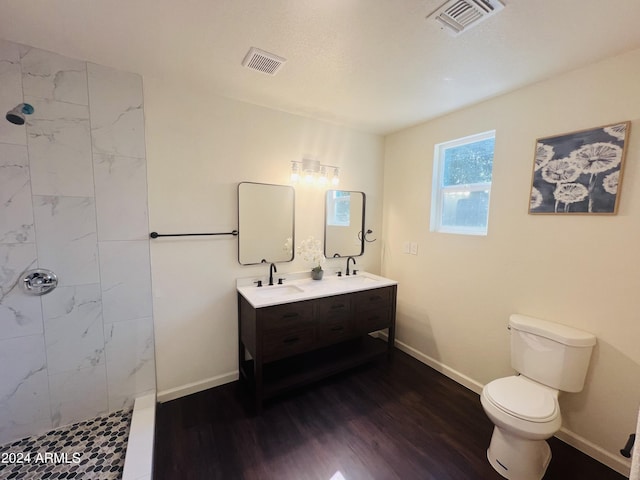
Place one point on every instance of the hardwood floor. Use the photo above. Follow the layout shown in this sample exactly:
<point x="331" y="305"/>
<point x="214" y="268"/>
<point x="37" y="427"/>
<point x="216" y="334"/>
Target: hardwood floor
<point x="397" y="420"/>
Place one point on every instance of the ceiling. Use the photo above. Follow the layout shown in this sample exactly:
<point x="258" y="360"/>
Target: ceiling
<point x="373" y="65"/>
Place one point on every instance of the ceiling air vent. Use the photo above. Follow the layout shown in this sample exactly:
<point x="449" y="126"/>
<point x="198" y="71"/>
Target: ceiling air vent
<point x="457" y="16"/>
<point x="262" y="61"/>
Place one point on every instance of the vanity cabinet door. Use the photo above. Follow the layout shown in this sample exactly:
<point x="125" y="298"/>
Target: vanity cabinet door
<point x="335" y="319"/>
<point x="373" y="309"/>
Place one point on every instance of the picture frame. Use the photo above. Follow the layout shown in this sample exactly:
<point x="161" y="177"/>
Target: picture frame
<point x="579" y="172"/>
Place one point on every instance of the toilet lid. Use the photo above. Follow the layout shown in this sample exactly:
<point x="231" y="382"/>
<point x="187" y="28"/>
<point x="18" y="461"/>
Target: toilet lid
<point x="523" y="399"/>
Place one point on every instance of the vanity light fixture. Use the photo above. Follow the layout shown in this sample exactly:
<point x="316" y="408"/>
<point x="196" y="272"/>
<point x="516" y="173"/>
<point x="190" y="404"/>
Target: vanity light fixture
<point x="311" y="171"/>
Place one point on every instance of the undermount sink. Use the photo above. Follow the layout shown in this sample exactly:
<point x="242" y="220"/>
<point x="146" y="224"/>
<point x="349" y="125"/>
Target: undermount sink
<point x="269" y="291"/>
<point x="357" y="279"/>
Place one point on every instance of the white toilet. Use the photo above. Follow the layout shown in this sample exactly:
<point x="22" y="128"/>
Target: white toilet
<point x="524" y="408"/>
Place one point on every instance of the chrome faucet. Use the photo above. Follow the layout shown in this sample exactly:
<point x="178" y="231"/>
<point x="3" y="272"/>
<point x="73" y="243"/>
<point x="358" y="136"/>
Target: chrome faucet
<point x="354" y="262"/>
<point x="272" y="269"/>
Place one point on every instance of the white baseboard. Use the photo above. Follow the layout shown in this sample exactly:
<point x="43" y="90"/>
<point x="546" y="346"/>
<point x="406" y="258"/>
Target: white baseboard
<point x="585" y="446"/>
<point x="620" y="465"/>
<point x="461" y="378"/>
<point x="195" y="387"/>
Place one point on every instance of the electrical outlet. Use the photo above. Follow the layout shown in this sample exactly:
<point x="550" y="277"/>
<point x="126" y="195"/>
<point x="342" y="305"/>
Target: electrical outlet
<point x="406" y="247"/>
<point x="414" y="248"/>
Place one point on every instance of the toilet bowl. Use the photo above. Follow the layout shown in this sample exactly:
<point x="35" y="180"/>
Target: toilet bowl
<point x="524" y="408"/>
<point x="525" y="413"/>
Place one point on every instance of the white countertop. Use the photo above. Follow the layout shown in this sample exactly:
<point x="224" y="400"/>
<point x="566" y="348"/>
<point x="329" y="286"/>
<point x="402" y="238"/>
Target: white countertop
<point x="300" y="286"/>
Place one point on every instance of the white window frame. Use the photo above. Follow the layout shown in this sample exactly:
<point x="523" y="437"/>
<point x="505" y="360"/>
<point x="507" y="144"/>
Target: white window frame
<point x="438" y="191"/>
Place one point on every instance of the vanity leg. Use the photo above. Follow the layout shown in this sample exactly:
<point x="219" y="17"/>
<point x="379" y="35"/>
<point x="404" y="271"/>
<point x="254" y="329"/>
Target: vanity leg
<point x="241" y="349"/>
<point x="241" y="360"/>
<point x="257" y="375"/>
<point x="391" y="340"/>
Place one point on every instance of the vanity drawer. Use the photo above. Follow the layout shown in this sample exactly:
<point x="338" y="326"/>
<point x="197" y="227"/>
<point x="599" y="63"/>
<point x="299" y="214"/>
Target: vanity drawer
<point x="374" y="320"/>
<point x="335" y="319"/>
<point x="335" y="307"/>
<point x="335" y="331"/>
<point x="286" y="316"/>
<point x="373" y="309"/>
<point x="281" y="344"/>
<point x="377" y="299"/>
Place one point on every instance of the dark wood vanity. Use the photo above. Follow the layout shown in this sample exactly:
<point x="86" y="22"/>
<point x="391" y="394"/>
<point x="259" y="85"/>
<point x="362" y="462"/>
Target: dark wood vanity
<point x="293" y="344"/>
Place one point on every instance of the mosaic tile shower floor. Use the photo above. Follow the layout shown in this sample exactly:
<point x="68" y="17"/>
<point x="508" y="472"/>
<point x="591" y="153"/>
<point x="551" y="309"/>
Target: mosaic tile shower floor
<point x="94" y="449"/>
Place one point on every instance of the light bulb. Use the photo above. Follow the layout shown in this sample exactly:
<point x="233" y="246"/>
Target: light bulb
<point x="336" y="179"/>
<point x="322" y="179"/>
<point x="295" y="172"/>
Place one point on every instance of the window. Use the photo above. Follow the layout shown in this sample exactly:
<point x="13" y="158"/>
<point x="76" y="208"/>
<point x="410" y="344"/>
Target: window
<point x="462" y="184"/>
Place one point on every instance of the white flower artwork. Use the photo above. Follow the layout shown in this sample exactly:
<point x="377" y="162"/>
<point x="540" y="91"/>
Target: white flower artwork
<point x="569" y="193"/>
<point x="579" y="172"/>
<point x="544" y="153"/>
<point x="536" y="198"/>
<point x="597" y="157"/>
<point x="610" y="182"/>
<point x="561" y="171"/>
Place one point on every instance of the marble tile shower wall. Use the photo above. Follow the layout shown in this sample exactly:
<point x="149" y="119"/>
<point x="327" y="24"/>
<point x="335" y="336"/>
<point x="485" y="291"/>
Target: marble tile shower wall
<point x="73" y="198"/>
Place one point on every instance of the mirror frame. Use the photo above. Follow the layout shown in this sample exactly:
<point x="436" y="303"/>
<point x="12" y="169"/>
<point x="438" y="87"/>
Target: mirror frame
<point x="362" y="227"/>
<point x="293" y="222"/>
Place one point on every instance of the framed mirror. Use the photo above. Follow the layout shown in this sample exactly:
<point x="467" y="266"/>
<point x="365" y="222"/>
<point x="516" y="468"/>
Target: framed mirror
<point x="265" y="223"/>
<point x="343" y="223"/>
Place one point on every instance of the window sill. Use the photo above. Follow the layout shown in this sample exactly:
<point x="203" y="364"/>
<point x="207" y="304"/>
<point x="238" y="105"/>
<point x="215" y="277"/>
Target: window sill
<point x="462" y="231"/>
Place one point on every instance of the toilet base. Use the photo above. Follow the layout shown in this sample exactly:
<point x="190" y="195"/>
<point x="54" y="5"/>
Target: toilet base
<point x="517" y="458"/>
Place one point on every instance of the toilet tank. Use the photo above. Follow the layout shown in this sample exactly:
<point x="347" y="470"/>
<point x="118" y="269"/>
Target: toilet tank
<point x="550" y="353"/>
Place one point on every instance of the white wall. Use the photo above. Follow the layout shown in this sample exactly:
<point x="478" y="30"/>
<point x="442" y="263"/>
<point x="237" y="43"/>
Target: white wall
<point x="455" y="297"/>
<point x="199" y="148"/>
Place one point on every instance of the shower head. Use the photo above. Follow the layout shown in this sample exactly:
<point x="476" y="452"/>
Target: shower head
<point x="16" y="116"/>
